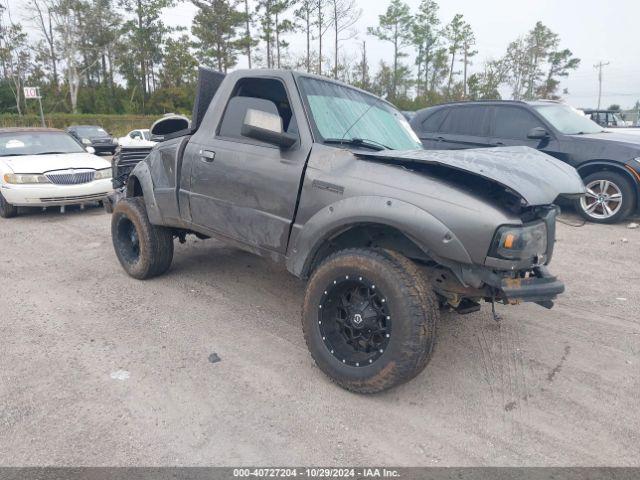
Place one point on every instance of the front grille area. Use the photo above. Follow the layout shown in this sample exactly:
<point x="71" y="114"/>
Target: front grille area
<point x="131" y="156"/>
<point x="124" y="161"/>
<point x="71" y="177"/>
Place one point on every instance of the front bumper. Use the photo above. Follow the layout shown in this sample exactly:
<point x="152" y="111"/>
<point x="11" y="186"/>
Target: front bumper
<point x="104" y="146"/>
<point x="47" y="194"/>
<point x="539" y="287"/>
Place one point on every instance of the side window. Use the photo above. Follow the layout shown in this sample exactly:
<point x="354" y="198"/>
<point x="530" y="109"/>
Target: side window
<point x="264" y="94"/>
<point x="433" y="122"/>
<point x="470" y="121"/>
<point x="514" y="123"/>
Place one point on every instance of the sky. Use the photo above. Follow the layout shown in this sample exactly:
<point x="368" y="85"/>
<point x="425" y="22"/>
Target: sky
<point x="594" y="30"/>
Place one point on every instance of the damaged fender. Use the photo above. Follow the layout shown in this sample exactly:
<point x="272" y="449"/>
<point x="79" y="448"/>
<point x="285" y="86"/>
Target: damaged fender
<point x="426" y="231"/>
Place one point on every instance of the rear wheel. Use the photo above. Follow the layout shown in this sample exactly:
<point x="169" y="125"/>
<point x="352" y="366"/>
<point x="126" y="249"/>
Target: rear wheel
<point x="610" y="197"/>
<point x="369" y="319"/>
<point x="144" y="250"/>
<point x="6" y="209"/>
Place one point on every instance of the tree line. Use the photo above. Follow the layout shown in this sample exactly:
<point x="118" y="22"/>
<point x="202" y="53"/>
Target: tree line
<point x="119" y="56"/>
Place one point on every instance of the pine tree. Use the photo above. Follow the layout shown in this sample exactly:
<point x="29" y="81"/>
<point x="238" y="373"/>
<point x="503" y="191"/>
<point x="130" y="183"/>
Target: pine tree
<point x="304" y="18"/>
<point x="216" y="26"/>
<point x="454" y="33"/>
<point x="425" y="37"/>
<point x="394" y="26"/>
<point x="344" y="15"/>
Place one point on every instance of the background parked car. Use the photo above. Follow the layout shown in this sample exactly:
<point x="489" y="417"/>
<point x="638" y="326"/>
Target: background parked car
<point x="137" y="138"/>
<point x="94" y="136"/>
<point x="608" y="162"/>
<point x="48" y="167"/>
<point x="606" y="118"/>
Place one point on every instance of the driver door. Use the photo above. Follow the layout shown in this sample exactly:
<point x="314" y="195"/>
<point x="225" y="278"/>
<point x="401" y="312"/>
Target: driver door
<point x="243" y="188"/>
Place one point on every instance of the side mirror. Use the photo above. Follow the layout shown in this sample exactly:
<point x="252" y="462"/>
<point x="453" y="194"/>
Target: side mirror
<point x="90" y="149"/>
<point x="537" y="133"/>
<point x="266" y="127"/>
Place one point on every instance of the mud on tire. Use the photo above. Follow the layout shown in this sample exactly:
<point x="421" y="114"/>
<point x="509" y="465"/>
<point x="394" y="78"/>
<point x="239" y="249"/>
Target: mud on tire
<point x="143" y="249"/>
<point x="359" y="290"/>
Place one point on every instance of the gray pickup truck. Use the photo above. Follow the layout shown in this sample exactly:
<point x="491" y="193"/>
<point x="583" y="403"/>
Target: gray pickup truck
<point x="332" y="183"/>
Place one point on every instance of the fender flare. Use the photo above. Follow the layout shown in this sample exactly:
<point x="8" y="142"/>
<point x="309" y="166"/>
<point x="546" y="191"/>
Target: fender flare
<point x="142" y="174"/>
<point x="426" y="231"/>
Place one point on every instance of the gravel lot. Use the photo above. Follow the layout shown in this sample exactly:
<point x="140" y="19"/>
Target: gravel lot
<point x="99" y="369"/>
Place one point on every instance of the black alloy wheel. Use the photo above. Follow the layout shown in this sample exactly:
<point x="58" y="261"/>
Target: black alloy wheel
<point x="354" y="321"/>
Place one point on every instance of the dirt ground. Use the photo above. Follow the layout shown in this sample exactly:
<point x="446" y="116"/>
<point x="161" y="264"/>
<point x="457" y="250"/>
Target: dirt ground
<point x="99" y="369"/>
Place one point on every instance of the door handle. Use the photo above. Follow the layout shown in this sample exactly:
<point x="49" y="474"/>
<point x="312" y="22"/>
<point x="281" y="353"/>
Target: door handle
<point x="439" y="139"/>
<point x="207" y="155"/>
<point x="499" y="144"/>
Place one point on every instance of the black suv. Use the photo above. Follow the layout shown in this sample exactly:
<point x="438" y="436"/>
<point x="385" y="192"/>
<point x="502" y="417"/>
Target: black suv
<point x="609" y="163"/>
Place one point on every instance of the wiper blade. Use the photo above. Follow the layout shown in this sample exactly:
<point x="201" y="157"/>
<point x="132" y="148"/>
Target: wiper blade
<point x="13" y="155"/>
<point x="48" y="153"/>
<point x="358" y="142"/>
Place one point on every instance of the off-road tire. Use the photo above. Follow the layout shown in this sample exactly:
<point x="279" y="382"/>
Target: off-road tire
<point x="623" y="184"/>
<point x="6" y="209"/>
<point x="155" y="244"/>
<point x="413" y="309"/>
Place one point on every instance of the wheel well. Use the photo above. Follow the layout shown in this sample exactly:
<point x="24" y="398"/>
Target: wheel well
<point x="366" y="235"/>
<point x="134" y="188"/>
<point x="597" y="167"/>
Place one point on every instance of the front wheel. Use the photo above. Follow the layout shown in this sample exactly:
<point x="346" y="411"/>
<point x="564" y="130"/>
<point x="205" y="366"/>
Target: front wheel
<point x="144" y="250"/>
<point x="369" y="319"/>
<point x="6" y="209"/>
<point x="610" y="198"/>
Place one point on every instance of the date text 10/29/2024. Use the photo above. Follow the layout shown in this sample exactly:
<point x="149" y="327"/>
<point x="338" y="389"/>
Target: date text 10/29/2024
<point x="316" y="472"/>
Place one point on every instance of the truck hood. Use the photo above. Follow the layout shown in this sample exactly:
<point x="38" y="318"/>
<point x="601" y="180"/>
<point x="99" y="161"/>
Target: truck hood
<point x="58" y="161"/>
<point x="535" y="176"/>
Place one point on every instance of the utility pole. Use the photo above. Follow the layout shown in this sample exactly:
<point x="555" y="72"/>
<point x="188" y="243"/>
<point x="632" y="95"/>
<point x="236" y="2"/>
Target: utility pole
<point x="599" y="66"/>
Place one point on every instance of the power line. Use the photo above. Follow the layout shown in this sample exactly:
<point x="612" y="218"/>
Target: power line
<point x="599" y="66"/>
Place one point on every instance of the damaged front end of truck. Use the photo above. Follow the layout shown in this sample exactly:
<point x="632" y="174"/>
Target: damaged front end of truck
<point x="523" y="183"/>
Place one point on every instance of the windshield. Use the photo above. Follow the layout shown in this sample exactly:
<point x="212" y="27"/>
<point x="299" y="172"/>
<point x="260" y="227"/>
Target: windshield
<point x="91" y="131"/>
<point x="343" y="113"/>
<point x="567" y="120"/>
<point x="37" y="143"/>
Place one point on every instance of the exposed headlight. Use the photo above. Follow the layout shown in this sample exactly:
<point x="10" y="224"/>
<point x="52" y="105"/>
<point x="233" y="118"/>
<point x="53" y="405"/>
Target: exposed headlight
<point x="86" y="141"/>
<point x="22" y="178"/>
<point x="102" y="174"/>
<point x="520" y="243"/>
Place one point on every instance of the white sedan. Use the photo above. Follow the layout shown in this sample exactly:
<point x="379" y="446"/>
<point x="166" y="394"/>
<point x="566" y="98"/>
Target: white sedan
<point x="137" y="138"/>
<point x="41" y="167"/>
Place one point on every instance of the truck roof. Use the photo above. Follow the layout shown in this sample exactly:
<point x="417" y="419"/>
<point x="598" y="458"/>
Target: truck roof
<point x="265" y="72"/>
